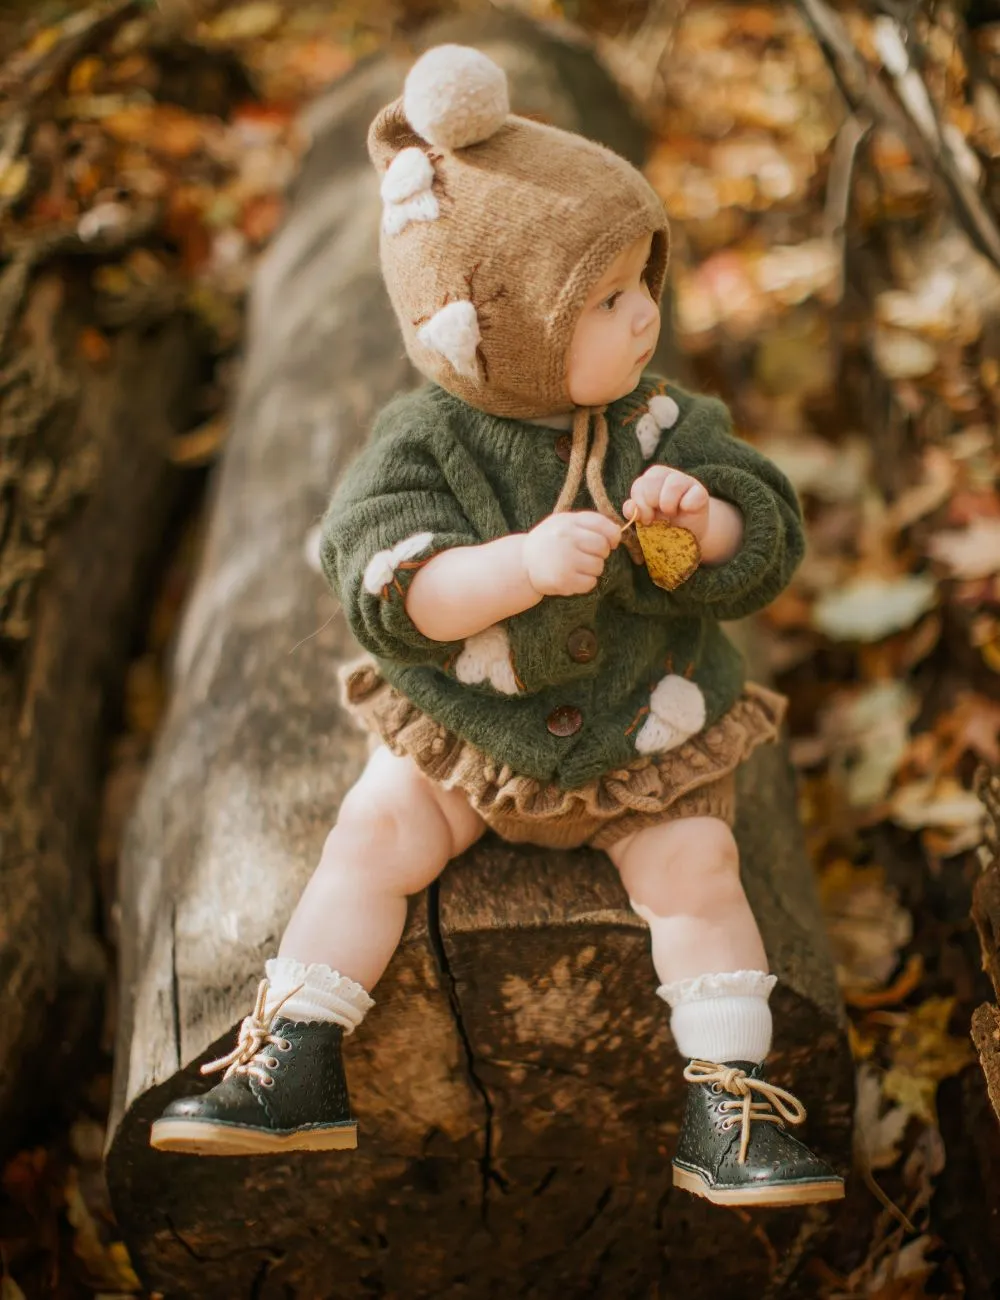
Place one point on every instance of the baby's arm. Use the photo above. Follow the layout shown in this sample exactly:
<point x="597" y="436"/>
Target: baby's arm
<point x="396" y="527"/>
<point x="464" y="590"/>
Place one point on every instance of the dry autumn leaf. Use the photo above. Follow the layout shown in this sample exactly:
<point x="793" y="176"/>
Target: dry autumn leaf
<point x="878" y="1132"/>
<point x="866" y="732"/>
<point x="865" y="922"/>
<point x="923" y="1052"/>
<point x="972" y="553"/>
<point x="108" y="1266"/>
<point x="942" y="804"/>
<point x="243" y="22"/>
<point x="870" y="608"/>
<point x="672" y="554"/>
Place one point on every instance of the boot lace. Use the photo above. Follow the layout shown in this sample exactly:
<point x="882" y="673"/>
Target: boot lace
<point x="250" y="1054"/>
<point x="724" y="1078"/>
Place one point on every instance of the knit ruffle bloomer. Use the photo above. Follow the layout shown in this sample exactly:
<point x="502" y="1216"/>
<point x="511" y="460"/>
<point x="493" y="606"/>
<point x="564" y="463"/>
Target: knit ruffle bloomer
<point x="696" y="780"/>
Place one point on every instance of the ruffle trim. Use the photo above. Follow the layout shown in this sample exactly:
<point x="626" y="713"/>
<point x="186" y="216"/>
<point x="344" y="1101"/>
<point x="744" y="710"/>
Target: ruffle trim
<point x="325" y="993"/>
<point x="651" y="784"/>
<point x="727" y="984"/>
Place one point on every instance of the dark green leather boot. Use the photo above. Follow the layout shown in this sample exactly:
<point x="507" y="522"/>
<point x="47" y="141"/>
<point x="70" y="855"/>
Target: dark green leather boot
<point x="733" y="1148"/>
<point x="283" y="1090"/>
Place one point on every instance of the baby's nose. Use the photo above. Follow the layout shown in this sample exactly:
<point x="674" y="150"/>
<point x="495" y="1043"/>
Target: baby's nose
<point x="645" y="314"/>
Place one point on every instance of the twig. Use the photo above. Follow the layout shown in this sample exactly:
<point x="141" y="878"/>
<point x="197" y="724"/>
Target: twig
<point x="886" y="1201"/>
<point x="919" y="125"/>
<point x="838" y="190"/>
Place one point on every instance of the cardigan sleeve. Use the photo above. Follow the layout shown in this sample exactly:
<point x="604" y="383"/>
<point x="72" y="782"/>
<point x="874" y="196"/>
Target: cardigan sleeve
<point x="702" y="444"/>
<point x="392" y="512"/>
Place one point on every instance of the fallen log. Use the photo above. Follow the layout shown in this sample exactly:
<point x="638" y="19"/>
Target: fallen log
<point x="516" y="1087"/>
<point x="86" y="491"/>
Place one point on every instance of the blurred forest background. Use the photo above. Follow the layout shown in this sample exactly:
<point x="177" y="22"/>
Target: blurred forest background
<point x="832" y="172"/>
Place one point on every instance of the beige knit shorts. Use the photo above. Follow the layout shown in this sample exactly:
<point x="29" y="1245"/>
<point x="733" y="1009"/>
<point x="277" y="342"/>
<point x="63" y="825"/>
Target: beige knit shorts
<point x="694" y="780"/>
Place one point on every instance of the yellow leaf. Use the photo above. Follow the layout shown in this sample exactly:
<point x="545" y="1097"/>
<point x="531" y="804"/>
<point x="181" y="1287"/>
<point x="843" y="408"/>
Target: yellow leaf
<point x="672" y="554"/>
<point x="44" y="40"/>
<point x="83" y="75"/>
<point x="199" y="447"/>
<point x="914" y="1094"/>
<point x="865" y="923"/>
<point x="108" y="1266"/>
<point x="245" y="22"/>
<point x="923" y="1053"/>
<point x="862" y="1045"/>
<point x="13" y="178"/>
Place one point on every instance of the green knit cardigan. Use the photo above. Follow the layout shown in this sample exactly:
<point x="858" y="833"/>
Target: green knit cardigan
<point x="576" y="686"/>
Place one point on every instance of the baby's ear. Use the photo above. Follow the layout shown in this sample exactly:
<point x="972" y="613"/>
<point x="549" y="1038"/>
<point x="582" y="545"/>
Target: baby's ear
<point x="655" y="270"/>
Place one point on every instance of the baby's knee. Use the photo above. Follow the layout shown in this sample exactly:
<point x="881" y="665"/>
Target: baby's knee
<point x="364" y="831"/>
<point x="692" y="864"/>
<point x="708" y="842"/>
<point x="391" y="836"/>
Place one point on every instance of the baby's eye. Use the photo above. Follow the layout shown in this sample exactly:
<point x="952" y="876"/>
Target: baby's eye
<point x="609" y="302"/>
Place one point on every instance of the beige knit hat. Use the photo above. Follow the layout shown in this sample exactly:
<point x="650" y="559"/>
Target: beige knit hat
<point x="494" y="230"/>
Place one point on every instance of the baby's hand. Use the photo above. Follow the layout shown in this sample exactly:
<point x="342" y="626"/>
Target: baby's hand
<point x="665" y="493"/>
<point x="564" y="555"/>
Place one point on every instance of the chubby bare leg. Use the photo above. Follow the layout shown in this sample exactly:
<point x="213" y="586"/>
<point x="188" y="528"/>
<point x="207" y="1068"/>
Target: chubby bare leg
<point x="284" y="1087"/>
<point x="395" y="833"/>
<point x="683" y="878"/>
<point x="733" y="1149"/>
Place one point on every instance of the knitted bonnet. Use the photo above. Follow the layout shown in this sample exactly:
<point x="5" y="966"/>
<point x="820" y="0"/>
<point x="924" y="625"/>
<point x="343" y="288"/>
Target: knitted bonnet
<point x="494" y="230"/>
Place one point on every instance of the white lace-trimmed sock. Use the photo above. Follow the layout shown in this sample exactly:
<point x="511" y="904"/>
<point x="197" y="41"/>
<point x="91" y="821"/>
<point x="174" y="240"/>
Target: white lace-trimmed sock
<point x="722" y="1017"/>
<point x="325" y="993"/>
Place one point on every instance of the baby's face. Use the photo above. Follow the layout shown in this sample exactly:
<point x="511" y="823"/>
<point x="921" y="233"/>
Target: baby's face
<point x="616" y="333"/>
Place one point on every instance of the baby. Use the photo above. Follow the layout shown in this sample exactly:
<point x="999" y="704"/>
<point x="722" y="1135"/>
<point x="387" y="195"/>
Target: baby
<point x="525" y="673"/>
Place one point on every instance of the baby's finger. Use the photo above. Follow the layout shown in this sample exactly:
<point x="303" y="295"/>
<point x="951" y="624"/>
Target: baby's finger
<point x="642" y="502"/>
<point x="579" y="583"/>
<point x="594" y="543"/>
<point x="695" y="498"/>
<point x="671" y="491"/>
<point x="598" y="525"/>
<point x="592" y="565"/>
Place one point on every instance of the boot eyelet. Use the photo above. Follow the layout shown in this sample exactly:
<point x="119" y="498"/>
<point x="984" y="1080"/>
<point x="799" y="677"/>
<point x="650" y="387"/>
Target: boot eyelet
<point x="727" y="1124"/>
<point x="272" y="1062"/>
<point x="284" y="1045"/>
<point x="716" y="1088"/>
<point x="267" y="1081"/>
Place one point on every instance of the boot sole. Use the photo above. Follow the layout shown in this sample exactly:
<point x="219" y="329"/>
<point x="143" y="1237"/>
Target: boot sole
<point x="202" y="1138"/>
<point x="801" y="1194"/>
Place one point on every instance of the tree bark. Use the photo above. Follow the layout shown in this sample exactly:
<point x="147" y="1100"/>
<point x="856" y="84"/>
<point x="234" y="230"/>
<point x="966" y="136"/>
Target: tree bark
<point x="82" y="509"/>
<point x="517" y="1089"/>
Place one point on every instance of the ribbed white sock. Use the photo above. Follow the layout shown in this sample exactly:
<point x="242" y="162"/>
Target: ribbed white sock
<point x="723" y="1017"/>
<point x="325" y="994"/>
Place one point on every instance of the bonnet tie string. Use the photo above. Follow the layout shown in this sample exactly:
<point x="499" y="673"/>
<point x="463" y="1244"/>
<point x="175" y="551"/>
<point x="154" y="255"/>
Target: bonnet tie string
<point x="591" y="465"/>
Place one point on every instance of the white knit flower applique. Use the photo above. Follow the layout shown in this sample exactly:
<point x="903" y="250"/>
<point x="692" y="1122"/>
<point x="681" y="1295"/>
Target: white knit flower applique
<point x="486" y="657"/>
<point x="407" y="191"/>
<point x="661" y="413"/>
<point x="455" y="330"/>
<point x="380" y="571"/>
<point x="676" y="713"/>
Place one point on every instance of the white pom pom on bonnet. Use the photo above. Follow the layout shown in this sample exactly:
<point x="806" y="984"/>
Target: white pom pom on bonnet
<point x="494" y="229"/>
